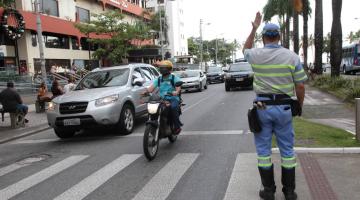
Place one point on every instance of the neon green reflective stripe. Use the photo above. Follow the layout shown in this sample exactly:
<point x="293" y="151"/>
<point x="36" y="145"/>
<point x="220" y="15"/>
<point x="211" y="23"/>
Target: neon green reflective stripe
<point x="300" y="72"/>
<point x="288" y="162"/>
<point x="264" y="161"/>
<point x="291" y="85"/>
<point x="302" y="78"/>
<point x="273" y="74"/>
<point x="274" y="67"/>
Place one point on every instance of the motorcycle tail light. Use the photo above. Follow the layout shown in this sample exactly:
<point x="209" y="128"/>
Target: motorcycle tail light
<point x="153" y="108"/>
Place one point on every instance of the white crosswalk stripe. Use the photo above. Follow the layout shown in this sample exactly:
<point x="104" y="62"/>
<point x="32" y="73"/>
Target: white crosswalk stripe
<point x="160" y="186"/>
<point x="18" y="165"/>
<point x="37" y="178"/>
<point x="242" y="184"/>
<point x="95" y="180"/>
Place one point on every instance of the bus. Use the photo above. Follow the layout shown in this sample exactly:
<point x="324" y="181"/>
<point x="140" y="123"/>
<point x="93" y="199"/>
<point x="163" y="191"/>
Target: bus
<point x="350" y="63"/>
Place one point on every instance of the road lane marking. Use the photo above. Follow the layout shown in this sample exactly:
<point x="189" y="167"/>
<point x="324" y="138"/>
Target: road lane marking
<point x="95" y="180"/>
<point x="37" y="178"/>
<point x="244" y="182"/>
<point x="35" y="141"/>
<point x="20" y="164"/>
<point x="184" y="133"/>
<point x="161" y="185"/>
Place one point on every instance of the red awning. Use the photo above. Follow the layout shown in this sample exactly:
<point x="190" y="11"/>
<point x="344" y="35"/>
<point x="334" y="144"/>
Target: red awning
<point x="53" y="25"/>
<point x="60" y="26"/>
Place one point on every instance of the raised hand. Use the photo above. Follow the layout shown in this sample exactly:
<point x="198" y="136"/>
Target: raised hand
<point x="256" y="23"/>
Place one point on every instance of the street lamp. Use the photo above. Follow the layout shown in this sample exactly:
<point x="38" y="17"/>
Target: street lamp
<point x="161" y="25"/>
<point x="201" y="41"/>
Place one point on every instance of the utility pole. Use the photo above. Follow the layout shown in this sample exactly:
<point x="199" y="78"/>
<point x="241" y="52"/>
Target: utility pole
<point x="201" y="44"/>
<point x="161" y="32"/>
<point x="40" y="40"/>
<point x="216" y="51"/>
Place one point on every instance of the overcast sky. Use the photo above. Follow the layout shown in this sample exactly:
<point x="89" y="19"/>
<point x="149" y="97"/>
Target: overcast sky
<point x="231" y="19"/>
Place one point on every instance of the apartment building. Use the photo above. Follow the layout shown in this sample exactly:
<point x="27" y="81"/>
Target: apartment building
<point x="64" y="44"/>
<point x="174" y="11"/>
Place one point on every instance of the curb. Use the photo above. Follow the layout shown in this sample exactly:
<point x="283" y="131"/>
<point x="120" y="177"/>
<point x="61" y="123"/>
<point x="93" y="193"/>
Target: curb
<point x="340" y="150"/>
<point x="25" y="134"/>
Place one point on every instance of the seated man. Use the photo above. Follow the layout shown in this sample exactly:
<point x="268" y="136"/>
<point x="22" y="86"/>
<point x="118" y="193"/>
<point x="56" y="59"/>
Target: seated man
<point x="12" y="101"/>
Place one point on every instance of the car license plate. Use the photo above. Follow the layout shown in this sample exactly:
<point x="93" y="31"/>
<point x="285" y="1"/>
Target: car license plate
<point x="239" y="79"/>
<point x="72" y="122"/>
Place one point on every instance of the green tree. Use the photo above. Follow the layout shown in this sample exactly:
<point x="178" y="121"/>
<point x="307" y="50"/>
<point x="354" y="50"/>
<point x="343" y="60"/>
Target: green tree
<point x="155" y="25"/>
<point x="119" y="33"/>
<point x="7" y="3"/>
<point x="336" y="39"/>
<point x="327" y="45"/>
<point x="353" y="36"/>
<point x="318" y="36"/>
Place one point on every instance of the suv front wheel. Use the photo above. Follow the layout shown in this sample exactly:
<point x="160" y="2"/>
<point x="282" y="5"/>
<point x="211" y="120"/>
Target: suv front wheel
<point x="127" y="120"/>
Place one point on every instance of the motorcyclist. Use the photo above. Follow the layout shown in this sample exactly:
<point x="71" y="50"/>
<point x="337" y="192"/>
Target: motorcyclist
<point x="166" y="84"/>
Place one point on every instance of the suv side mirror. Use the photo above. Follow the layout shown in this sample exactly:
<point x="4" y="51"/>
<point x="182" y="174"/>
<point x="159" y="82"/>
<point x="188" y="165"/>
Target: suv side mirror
<point x="225" y="70"/>
<point x="179" y="84"/>
<point x="138" y="82"/>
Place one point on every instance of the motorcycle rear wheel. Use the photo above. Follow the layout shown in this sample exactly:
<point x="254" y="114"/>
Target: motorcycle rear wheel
<point x="150" y="146"/>
<point x="172" y="138"/>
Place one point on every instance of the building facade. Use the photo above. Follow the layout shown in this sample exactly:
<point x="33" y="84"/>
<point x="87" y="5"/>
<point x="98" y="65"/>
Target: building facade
<point x="174" y="11"/>
<point x="64" y="44"/>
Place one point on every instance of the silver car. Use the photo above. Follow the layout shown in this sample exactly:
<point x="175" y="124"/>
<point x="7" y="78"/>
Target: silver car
<point x="192" y="79"/>
<point x="108" y="96"/>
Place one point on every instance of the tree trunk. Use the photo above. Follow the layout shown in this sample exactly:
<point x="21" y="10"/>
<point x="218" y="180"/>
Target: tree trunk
<point x="336" y="39"/>
<point x="296" y="32"/>
<point x="318" y="36"/>
<point x="287" y="32"/>
<point x="305" y="36"/>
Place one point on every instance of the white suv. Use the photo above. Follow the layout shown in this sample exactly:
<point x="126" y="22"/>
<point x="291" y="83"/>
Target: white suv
<point x="108" y="96"/>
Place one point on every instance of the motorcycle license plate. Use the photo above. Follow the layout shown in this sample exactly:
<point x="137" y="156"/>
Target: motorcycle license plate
<point x="72" y="122"/>
<point x="239" y="79"/>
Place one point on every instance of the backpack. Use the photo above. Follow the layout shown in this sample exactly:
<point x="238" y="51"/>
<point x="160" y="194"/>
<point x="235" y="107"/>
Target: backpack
<point x="160" y="80"/>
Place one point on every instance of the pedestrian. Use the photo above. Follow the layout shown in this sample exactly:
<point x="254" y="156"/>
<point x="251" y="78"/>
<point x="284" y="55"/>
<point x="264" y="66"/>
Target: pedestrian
<point x="11" y="100"/>
<point x="279" y="76"/>
<point x="70" y="86"/>
<point x="56" y="89"/>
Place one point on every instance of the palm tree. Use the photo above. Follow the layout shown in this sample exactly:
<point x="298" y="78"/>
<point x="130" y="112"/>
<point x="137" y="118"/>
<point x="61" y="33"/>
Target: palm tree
<point x="306" y="13"/>
<point x="336" y="39"/>
<point x="7" y="3"/>
<point x="296" y="11"/>
<point x="258" y="39"/>
<point x="318" y="36"/>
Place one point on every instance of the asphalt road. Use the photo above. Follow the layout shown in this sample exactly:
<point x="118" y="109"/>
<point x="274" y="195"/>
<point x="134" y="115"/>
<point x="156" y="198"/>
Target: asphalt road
<point x="214" y="150"/>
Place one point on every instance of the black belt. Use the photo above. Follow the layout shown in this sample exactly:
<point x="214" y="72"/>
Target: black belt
<point x="275" y="97"/>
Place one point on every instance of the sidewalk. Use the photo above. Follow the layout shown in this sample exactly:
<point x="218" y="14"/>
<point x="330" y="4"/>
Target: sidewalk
<point x="37" y="122"/>
<point x="323" y="108"/>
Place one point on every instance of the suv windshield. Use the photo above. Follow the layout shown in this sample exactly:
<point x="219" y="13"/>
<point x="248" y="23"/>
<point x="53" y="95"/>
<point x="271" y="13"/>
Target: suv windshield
<point x="214" y="70"/>
<point x="107" y="78"/>
<point x="243" y="67"/>
<point x="187" y="74"/>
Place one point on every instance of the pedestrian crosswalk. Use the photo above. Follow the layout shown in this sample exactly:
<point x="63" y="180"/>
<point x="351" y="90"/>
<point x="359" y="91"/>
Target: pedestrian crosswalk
<point x="243" y="182"/>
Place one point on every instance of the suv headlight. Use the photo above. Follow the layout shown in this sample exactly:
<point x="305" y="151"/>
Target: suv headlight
<point x="107" y="100"/>
<point x="52" y="106"/>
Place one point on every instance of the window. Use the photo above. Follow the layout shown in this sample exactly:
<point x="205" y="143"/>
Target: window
<point x="136" y="74"/>
<point x="107" y="78"/>
<point x="56" y="41"/>
<point x="85" y="45"/>
<point x="74" y="43"/>
<point x="147" y="73"/>
<point x="33" y="39"/>
<point x="4" y="40"/>
<point x="82" y="15"/>
<point x="49" y="7"/>
<point x="155" y="72"/>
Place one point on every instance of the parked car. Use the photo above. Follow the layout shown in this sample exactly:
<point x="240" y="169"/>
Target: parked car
<point x="239" y="75"/>
<point x="215" y="75"/>
<point x="192" y="79"/>
<point x="104" y="97"/>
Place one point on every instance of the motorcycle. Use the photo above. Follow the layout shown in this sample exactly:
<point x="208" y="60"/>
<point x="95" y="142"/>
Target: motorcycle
<point x="159" y="126"/>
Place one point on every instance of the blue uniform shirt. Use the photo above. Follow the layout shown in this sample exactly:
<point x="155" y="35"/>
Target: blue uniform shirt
<point x="166" y="86"/>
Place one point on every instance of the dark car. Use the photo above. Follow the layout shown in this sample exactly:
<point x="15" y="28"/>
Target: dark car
<point x="239" y="75"/>
<point x="215" y="75"/>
